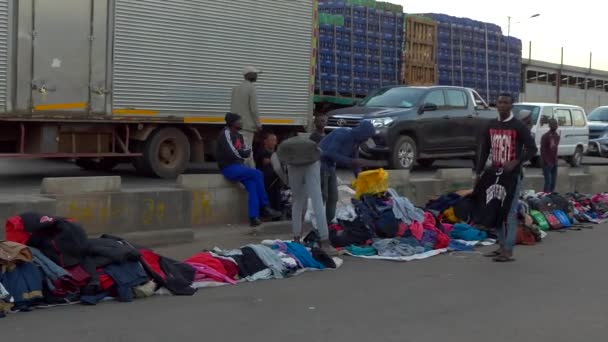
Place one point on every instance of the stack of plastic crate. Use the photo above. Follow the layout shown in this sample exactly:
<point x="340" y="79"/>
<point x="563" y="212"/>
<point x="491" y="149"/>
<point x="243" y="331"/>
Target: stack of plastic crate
<point x="477" y="55"/>
<point x="365" y="52"/>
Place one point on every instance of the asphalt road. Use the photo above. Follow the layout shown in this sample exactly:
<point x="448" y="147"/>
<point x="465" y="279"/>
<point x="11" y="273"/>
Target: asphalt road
<point x="25" y="176"/>
<point x="554" y="292"/>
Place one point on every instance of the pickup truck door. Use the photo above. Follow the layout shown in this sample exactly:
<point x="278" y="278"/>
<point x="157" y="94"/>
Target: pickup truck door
<point x="433" y="127"/>
<point x="463" y="120"/>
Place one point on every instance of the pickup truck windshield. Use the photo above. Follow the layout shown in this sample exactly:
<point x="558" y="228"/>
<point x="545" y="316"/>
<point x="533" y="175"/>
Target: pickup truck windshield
<point x="400" y="97"/>
<point x="599" y="114"/>
<point x="534" y="112"/>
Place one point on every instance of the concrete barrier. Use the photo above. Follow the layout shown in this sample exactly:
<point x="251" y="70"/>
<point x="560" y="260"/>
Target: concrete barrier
<point x="455" y="179"/>
<point x="204" y="200"/>
<point x="79" y="185"/>
<point x="599" y="177"/>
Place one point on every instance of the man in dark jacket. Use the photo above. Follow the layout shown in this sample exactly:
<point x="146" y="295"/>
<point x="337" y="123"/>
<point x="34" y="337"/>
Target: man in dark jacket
<point x="511" y="145"/>
<point x="549" y="144"/>
<point x="263" y="162"/>
<point x="341" y="147"/>
<point x="231" y="154"/>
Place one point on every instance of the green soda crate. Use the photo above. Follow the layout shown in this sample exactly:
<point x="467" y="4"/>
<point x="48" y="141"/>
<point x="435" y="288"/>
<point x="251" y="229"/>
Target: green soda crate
<point x="338" y="20"/>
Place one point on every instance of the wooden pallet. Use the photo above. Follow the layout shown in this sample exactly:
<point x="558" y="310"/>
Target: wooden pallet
<point x="420" y="75"/>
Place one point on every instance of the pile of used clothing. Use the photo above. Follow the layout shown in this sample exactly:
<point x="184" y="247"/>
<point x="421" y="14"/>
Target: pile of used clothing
<point x="569" y="211"/>
<point x="386" y="224"/>
<point x="51" y="261"/>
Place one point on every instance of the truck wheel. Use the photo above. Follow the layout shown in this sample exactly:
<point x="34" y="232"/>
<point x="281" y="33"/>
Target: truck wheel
<point x="103" y="164"/>
<point x="404" y="153"/>
<point x="426" y="163"/>
<point x="577" y="158"/>
<point x="166" y="153"/>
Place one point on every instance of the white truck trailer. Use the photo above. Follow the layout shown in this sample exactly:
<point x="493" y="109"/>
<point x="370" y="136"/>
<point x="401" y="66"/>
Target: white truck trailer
<point x="103" y="81"/>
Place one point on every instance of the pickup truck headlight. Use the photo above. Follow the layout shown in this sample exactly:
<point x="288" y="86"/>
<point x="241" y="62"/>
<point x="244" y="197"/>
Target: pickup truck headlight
<point x="604" y="135"/>
<point x="382" y="122"/>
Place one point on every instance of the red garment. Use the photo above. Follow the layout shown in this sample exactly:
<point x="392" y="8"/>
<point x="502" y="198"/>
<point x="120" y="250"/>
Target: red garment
<point x="153" y="260"/>
<point x="105" y="280"/>
<point x="15" y="230"/>
<point x="207" y="259"/>
<point x="525" y="237"/>
<point x="417" y="230"/>
<point x="232" y="268"/>
<point x="79" y="275"/>
<point x="443" y="240"/>
<point x="336" y="227"/>
<point x="402" y="229"/>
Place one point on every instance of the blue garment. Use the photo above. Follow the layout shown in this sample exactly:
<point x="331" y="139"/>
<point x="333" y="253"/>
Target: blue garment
<point x="463" y="231"/>
<point x="253" y="180"/>
<point x="126" y="276"/>
<point x="93" y="299"/>
<point x="364" y="251"/>
<point x="342" y="145"/>
<point x="270" y="259"/>
<point x="507" y="234"/>
<point x="460" y="247"/>
<point x="49" y="268"/>
<point x="303" y="255"/>
<point x="24" y="283"/>
<point x="404" y="210"/>
<point x="550" y="173"/>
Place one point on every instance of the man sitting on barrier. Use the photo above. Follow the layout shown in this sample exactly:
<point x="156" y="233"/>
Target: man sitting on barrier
<point x="231" y="154"/>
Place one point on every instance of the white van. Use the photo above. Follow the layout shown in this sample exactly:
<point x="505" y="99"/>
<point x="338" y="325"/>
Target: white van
<point x="573" y="128"/>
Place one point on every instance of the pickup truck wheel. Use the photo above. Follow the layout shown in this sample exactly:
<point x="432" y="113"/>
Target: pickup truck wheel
<point x="426" y="163"/>
<point x="103" y="164"/>
<point x="404" y="153"/>
<point x="166" y="154"/>
<point x="577" y="158"/>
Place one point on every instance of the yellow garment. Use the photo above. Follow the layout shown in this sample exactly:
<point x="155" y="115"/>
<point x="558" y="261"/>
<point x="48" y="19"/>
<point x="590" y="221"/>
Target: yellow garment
<point x="371" y="182"/>
<point x="450" y="215"/>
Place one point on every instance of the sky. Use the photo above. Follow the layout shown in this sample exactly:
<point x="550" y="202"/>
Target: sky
<point x="577" y="26"/>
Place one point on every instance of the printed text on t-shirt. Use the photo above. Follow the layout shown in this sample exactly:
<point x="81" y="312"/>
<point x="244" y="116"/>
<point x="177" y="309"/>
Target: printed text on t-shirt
<point x="503" y="142"/>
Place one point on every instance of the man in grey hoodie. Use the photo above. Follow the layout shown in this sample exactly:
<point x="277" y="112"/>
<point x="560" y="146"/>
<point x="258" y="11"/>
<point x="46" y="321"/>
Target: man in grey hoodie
<point x="341" y="147"/>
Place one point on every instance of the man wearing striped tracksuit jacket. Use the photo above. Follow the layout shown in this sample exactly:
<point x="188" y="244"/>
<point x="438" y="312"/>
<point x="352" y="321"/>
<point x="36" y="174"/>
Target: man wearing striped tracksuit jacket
<point x="231" y="154"/>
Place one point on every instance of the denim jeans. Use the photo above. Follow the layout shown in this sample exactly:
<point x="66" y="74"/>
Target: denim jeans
<point x="329" y="183"/>
<point x="550" y="173"/>
<point x="507" y="234"/>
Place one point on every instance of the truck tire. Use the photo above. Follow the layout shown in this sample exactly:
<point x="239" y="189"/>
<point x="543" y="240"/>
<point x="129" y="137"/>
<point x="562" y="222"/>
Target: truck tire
<point x="166" y="154"/>
<point x="426" y="163"/>
<point x="404" y="153"/>
<point x="577" y="158"/>
<point x="103" y="164"/>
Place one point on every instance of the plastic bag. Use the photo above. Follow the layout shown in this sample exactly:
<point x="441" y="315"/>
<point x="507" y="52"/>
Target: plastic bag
<point x="371" y="182"/>
<point x="344" y="208"/>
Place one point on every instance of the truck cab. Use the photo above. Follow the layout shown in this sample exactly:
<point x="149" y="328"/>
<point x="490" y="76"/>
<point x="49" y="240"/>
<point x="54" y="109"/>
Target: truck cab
<point x="418" y="124"/>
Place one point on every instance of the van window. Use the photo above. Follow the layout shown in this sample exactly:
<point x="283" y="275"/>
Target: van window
<point x="563" y="117"/>
<point x="547" y="113"/>
<point x="534" y="112"/>
<point x="457" y="99"/>
<point x="578" y="118"/>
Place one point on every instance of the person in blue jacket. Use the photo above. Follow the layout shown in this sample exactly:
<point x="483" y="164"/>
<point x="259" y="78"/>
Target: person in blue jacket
<point x="341" y="147"/>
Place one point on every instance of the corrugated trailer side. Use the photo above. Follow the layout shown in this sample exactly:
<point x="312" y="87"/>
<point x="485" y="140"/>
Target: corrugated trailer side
<point x="147" y="80"/>
<point x="182" y="57"/>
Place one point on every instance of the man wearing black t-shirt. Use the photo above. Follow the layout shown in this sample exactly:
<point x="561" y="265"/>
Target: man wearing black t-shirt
<point x="510" y="144"/>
